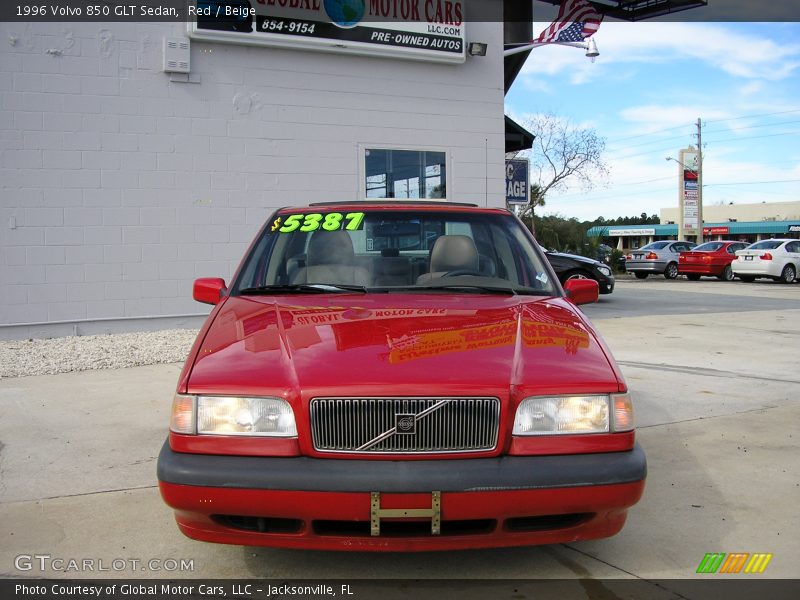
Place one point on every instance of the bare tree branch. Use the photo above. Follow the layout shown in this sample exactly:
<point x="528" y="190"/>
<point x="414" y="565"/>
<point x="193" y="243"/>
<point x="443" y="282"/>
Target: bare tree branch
<point x="563" y="154"/>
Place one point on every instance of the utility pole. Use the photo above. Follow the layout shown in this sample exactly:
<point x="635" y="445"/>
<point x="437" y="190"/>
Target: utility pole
<point x="699" y="238"/>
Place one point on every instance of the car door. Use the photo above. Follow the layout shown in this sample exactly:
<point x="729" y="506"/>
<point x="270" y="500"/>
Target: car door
<point x="793" y="250"/>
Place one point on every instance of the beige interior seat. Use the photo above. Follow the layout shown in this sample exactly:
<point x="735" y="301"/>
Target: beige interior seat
<point x="331" y="259"/>
<point x="451" y="253"/>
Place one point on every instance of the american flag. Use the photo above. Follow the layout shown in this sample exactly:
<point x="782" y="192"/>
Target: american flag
<point x="576" y="21"/>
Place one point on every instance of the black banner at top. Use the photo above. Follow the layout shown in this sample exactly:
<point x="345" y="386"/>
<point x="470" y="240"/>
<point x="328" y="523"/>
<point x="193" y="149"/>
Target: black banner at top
<point x="388" y="10"/>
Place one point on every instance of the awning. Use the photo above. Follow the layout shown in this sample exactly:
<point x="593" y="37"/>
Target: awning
<point x="517" y="137"/>
<point x="636" y="10"/>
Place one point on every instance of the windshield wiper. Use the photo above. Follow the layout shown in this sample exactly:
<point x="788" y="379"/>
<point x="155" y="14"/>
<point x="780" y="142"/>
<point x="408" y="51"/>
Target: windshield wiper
<point x="467" y="287"/>
<point x="303" y="288"/>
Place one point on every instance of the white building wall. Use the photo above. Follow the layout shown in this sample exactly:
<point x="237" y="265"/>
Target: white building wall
<point x="120" y="184"/>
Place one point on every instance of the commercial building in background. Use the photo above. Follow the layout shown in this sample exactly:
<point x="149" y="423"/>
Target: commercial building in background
<point x="741" y="222"/>
<point x="137" y="156"/>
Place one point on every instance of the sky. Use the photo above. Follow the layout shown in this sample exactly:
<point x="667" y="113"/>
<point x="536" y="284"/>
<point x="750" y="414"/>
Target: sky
<point x="644" y="94"/>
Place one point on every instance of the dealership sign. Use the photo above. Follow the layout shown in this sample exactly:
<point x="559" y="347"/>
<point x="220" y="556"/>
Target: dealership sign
<point x="518" y="184"/>
<point x="794" y="228"/>
<point x="690" y="197"/>
<point x="431" y="30"/>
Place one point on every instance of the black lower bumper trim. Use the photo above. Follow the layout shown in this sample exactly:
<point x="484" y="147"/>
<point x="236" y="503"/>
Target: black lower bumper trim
<point x="337" y="475"/>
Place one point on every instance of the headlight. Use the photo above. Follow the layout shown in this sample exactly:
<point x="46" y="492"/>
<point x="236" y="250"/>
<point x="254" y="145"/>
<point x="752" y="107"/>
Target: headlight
<point x="551" y="415"/>
<point x="225" y="415"/>
<point x="604" y="270"/>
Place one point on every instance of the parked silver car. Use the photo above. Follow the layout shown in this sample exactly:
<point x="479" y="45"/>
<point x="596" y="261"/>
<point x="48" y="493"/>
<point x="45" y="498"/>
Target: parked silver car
<point x="657" y="257"/>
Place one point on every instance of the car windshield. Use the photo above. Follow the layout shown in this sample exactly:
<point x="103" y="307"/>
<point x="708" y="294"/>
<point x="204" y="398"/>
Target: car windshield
<point x="436" y="251"/>
<point x="765" y="245"/>
<point x="655" y="246"/>
<point x="708" y="247"/>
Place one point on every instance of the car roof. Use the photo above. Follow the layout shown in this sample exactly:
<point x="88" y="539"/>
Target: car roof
<point x="403" y="205"/>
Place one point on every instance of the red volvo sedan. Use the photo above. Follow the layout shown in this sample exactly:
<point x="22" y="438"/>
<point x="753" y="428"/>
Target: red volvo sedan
<point x="712" y="259"/>
<point x="399" y="376"/>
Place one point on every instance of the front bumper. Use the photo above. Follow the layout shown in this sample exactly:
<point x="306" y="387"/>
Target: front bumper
<point x="605" y="283"/>
<point x="302" y="502"/>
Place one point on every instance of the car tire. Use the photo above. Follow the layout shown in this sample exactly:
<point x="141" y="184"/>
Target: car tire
<point x="747" y="278"/>
<point x="671" y="272"/>
<point x="576" y="274"/>
<point x="727" y="274"/>
<point x="693" y="277"/>
<point x="640" y="275"/>
<point x="788" y="274"/>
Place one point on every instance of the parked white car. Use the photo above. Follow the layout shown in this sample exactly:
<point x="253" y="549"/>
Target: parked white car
<point x="777" y="259"/>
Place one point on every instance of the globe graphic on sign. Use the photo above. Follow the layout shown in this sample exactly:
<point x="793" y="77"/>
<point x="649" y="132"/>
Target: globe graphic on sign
<point x="345" y="13"/>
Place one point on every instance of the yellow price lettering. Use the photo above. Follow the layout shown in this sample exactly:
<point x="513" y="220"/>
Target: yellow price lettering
<point x="309" y="222"/>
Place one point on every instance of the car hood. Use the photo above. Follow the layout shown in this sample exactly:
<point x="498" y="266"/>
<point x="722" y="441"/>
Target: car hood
<point x="579" y="258"/>
<point x="397" y="344"/>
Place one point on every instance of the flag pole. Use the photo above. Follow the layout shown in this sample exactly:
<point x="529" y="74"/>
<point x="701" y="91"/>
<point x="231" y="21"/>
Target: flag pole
<point x="531" y="46"/>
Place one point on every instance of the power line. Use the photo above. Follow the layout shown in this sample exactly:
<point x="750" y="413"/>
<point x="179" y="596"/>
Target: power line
<point x="613" y="141"/>
<point x="590" y="197"/>
<point x="781" y="112"/>
<point x="674" y="137"/>
<point x="753" y="182"/>
<point x="756" y="137"/>
<point x="736" y="139"/>
<point x="753" y="126"/>
<point x="632" y="137"/>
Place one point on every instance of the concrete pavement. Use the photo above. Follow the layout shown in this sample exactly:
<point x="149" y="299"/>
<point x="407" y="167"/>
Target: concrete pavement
<point x="716" y="404"/>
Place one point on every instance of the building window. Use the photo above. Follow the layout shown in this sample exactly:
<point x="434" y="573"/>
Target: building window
<point x="405" y="173"/>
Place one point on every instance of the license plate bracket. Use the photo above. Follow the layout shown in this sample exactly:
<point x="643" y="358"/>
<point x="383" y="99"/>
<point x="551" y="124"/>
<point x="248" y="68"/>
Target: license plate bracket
<point x="434" y="513"/>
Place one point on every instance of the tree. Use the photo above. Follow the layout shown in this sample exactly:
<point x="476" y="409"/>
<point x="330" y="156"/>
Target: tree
<point x="563" y="154"/>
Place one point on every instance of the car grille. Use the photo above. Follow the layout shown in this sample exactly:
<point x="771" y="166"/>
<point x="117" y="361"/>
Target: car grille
<point x="404" y="425"/>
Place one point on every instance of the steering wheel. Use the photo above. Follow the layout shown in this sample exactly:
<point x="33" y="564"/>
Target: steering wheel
<point x="457" y="272"/>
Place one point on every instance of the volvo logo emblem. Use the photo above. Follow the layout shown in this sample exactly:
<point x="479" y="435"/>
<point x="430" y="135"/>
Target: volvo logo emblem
<point x="405" y="423"/>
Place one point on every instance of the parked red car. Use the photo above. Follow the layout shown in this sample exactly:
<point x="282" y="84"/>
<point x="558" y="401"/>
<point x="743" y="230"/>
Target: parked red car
<point x="393" y="376"/>
<point x="712" y="259"/>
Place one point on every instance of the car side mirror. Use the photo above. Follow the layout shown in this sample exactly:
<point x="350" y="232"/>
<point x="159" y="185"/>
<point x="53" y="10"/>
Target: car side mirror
<point x="208" y="290"/>
<point x="582" y="291"/>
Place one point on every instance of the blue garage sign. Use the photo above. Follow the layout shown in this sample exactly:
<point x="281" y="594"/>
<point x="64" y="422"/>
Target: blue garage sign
<point x="518" y="185"/>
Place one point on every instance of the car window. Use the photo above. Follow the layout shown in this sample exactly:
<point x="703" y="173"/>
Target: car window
<point x="655" y="246"/>
<point x="708" y="247"/>
<point x="396" y="251"/>
<point x="765" y="245"/>
<point x="793" y="247"/>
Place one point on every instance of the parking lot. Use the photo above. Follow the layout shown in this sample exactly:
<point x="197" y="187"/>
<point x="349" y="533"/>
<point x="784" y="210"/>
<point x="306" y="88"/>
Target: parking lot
<point x="713" y="369"/>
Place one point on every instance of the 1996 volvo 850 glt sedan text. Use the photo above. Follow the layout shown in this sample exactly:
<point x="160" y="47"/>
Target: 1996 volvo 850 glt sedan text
<point x="401" y="377"/>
